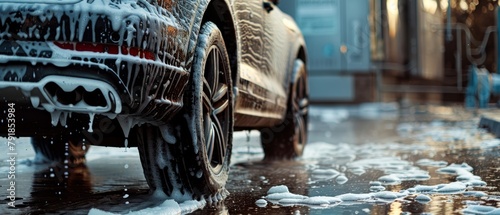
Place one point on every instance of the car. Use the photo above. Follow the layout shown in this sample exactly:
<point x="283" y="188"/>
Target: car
<point x="173" y="78"/>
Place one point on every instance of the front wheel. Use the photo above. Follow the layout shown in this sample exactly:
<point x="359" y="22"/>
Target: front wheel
<point x="288" y="139"/>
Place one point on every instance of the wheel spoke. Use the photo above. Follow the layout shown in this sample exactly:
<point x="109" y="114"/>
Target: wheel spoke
<point x="303" y="106"/>
<point x="220" y="141"/>
<point x="300" y="128"/>
<point x="301" y="88"/>
<point x="304" y="111"/>
<point x="207" y="88"/>
<point x="220" y="93"/>
<point x="221" y="108"/>
<point x="216" y="69"/>
<point x="296" y="103"/>
<point x="304" y="102"/>
<point x="207" y="104"/>
<point x="209" y="137"/>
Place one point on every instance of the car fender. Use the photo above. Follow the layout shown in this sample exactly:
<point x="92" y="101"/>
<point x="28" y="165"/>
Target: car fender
<point x="298" y="45"/>
<point x="198" y="17"/>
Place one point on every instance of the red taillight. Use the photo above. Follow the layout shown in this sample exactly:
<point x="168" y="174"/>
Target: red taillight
<point x="105" y="48"/>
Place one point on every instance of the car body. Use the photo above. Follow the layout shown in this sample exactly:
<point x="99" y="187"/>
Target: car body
<point x="103" y="72"/>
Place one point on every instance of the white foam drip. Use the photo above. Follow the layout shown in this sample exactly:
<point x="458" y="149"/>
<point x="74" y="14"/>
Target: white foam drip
<point x="18" y="71"/>
<point x="91" y="122"/>
<point x="127" y="123"/>
<point x="55" y="117"/>
<point x="64" y="118"/>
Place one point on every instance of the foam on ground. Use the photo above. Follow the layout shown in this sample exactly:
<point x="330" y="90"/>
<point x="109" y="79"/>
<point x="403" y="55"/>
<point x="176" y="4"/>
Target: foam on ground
<point x="481" y="209"/>
<point x="168" y="207"/>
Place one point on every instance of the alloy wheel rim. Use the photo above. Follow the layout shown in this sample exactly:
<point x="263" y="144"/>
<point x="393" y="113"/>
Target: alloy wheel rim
<point x="215" y="109"/>
<point x="301" y="109"/>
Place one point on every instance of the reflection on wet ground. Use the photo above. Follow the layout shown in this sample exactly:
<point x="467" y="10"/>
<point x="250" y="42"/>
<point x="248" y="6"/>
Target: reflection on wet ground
<point x="366" y="159"/>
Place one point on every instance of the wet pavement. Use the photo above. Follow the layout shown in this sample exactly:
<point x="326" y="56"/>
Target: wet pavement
<point x="364" y="159"/>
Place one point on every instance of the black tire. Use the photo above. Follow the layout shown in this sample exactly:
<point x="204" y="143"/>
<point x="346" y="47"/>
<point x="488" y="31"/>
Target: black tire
<point x="207" y="135"/>
<point x="160" y="160"/>
<point x="288" y="139"/>
<point x="60" y="149"/>
<point x="191" y="155"/>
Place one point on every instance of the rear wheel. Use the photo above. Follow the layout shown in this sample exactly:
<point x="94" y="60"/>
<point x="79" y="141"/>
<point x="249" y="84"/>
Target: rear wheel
<point x="287" y="140"/>
<point x="191" y="155"/>
<point x="207" y="136"/>
<point x="160" y="160"/>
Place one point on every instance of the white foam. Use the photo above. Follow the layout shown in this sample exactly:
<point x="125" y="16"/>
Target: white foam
<point x="476" y="183"/>
<point x="425" y="188"/>
<point x="429" y="162"/>
<point x="261" y="203"/>
<point x="464" y="175"/>
<point x="91" y="122"/>
<point x="488" y="144"/>
<point x="451" y="188"/>
<point x="456" y="169"/>
<point x="390" y="180"/>
<point x="386" y="195"/>
<point x="481" y="209"/>
<point x="396" y="168"/>
<point x="278" y="189"/>
<point x="317" y="200"/>
<point x="467" y="177"/>
<point x="342" y="179"/>
<point x="352" y="197"/>
<point x="324" y="174"/>
<point x="279" y="196"/>
<point x="474" y="193"/>
<point x="377" y="188"/>
<point x="423" y="199"/>
<point x="168" y="207"/>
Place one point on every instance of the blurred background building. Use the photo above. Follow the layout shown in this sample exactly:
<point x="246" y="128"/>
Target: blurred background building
<point x="395" y="50"/>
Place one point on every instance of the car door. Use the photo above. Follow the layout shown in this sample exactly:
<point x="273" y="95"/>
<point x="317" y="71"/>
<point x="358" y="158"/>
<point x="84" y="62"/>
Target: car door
<point x="249" y="15"/>
<point x="262" y="99"/>
<point x="249" y="20"/>
<point x="275" y="55"/>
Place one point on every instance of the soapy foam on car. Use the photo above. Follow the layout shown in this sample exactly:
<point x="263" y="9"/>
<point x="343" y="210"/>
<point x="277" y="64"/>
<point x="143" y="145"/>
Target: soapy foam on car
<point x="80" y="18"/>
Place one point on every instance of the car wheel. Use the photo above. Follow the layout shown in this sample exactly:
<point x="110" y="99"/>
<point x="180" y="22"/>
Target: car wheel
<point x="159" y="159"/>
<point x="60" y="149"/>
<point x="190" y="156"/>
<point x="287" y="140"/>
<point x="208" y="111"/>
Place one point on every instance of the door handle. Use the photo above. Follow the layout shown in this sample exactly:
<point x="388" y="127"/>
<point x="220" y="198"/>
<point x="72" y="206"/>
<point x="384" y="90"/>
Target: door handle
<point x="268" y="6"/>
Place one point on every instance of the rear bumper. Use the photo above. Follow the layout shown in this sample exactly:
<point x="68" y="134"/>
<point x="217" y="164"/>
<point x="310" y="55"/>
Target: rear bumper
<point x="130" y="84"/>
<point x="127" y="85"/>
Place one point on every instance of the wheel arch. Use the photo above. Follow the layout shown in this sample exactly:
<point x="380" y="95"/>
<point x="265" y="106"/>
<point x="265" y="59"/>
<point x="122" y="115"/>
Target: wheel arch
<point x="220" y="13"/>
<point x="301" y="54"/>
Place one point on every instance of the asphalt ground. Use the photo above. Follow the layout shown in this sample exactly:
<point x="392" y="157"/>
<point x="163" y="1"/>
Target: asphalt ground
<point x="365" y="159"/>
